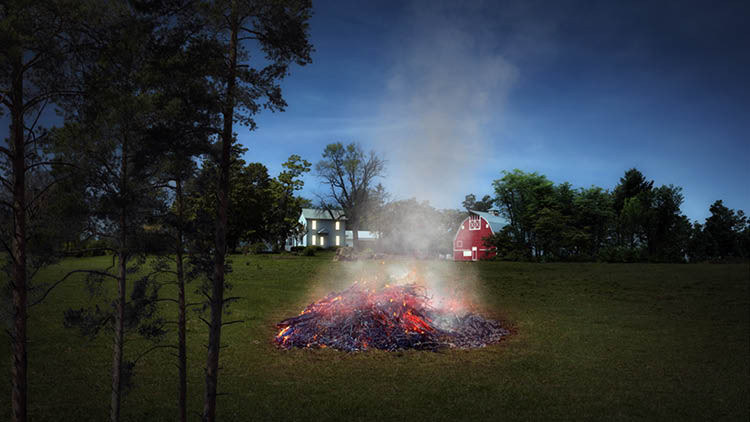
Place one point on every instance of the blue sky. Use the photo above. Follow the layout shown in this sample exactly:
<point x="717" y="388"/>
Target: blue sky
<point x="452" y="94"/>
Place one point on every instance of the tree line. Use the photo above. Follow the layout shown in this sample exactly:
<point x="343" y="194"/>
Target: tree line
<point x="149" y="95"/>
<point x="635" y="222"/>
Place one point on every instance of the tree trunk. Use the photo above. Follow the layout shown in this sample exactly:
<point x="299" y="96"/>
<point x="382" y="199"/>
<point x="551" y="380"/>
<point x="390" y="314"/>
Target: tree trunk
<point x="355" y="236"/>
<point x="181" y="348"/>
<point x="117" y="348"/>
<point x="18" y="336"/>
<point x="217" y="290"/>
<point x="119" y="334"/>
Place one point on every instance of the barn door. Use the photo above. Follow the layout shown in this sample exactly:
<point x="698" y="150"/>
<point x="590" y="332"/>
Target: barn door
<point x="473" y="253"/>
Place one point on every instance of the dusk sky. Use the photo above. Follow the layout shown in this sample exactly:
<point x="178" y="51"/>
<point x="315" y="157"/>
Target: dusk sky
<point x="452" y="93"/>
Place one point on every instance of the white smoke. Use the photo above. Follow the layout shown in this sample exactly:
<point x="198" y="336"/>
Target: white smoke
<point x="445" y="283"/>
<point x="448" y="81"/>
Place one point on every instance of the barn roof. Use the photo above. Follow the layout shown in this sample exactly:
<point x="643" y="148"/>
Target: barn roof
<point x="321" y="214"/>
<point x="496" y="222"/>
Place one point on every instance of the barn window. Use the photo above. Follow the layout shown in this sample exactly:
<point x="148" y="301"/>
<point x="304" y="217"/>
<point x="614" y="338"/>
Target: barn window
<point x="459" y="243"/>
<point x="475" y="222"/>
<point x="314" y="225"/>
<point x="467" y="253"/>
<point x="338" y="225"/>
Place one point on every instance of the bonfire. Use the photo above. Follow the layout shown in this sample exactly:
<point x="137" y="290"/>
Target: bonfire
<point x="389" y="317"/>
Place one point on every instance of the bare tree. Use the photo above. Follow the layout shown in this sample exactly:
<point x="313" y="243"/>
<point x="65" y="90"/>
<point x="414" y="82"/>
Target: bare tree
<point x="349" y="173"/>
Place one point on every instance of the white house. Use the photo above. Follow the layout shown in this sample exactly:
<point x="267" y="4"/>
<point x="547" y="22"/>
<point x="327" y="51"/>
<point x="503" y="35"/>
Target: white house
<point x="326" y="229"/>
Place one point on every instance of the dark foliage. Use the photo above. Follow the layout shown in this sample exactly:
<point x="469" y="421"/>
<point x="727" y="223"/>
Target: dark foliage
<point x="635" y="222"/>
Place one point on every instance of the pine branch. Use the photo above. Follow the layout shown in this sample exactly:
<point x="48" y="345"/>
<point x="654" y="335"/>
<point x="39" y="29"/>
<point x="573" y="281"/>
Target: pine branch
<point x="55" y="284"/>
<point x="232" y="298"/>
<point x="151" y="349"/>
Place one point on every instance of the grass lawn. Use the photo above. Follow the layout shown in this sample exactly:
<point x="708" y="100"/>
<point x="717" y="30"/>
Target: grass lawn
<point x="591" y="342"/>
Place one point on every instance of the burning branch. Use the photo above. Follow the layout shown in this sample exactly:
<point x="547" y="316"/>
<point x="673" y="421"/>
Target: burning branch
<point x="389" y="318"/>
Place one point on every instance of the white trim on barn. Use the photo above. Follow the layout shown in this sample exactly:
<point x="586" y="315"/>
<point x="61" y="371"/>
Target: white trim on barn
<point x="476" y="221"/>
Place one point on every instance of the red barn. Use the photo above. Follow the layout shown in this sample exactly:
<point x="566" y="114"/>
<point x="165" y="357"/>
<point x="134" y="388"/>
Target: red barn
<point x="468" y="244"/>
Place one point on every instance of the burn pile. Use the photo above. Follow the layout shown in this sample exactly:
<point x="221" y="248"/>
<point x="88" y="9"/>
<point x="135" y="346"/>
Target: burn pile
<point x="388" y="318"/>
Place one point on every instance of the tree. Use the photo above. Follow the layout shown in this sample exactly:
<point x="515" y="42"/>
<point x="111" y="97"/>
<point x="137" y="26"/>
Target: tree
<point x="39" y="42"/>
<point x="181" y="170"/>
<point x="505" y="245"/>
<point x="470" y="203"/>
<point x="109" y="133"/>
<point x="349" y="173"/>
<point x="667" y="229"/>
<point x="635" y="187"/>
<point x="250" y="196"/>
<point x="521" y="197"/>
<point x="594" y="216"/>
<point x="182" y="126"/>
<point x="551" y="231"/>
<point x="633" y="219"/>
<point x="724" y="227"/>
<point x="649" y="222"/>
<point x="745" y="239"/>
<point x="253" y="200"/>
<point x="279" y="31"/>
<point x="284" y="214"/>
<point x="261" y="209"/>
<point x="698" y="244"/>
<point x="631" y="185"/>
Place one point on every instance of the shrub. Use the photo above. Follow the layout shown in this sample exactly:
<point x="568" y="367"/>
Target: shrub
<point x="257" y="248"/>
<point x="623" y="254"/>
<point x="309" y="251"/>
<point x="253" y="248"/>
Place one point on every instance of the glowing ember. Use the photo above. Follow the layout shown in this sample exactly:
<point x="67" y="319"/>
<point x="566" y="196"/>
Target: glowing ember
<point x="390" y="318"/>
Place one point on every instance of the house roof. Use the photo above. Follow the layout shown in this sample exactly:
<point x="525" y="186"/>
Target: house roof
<point x="496" y="222"/>
<point x="321" y="214"/>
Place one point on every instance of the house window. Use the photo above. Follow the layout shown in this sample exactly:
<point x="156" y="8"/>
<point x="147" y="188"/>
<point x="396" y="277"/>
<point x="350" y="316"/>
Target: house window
<point x="475" y="222"/>
<point x="314" y="225"/>
<point x="459" y="243"/>
<point x="338" y="238"/>
<point x="314" y="239"/>
<point x="338" y="225"/>
<point x="322" y="241"/>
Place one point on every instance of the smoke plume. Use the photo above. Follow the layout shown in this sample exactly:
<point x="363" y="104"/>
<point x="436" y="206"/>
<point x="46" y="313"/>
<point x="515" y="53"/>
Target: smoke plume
<point x="447" y="81"/>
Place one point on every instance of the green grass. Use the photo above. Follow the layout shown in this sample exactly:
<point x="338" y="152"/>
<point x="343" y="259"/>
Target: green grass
<point x="591" y="342"/>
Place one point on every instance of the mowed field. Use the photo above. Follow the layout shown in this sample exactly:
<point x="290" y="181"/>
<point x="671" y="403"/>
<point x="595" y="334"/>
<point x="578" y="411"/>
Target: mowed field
<point x="591" y="342"/>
